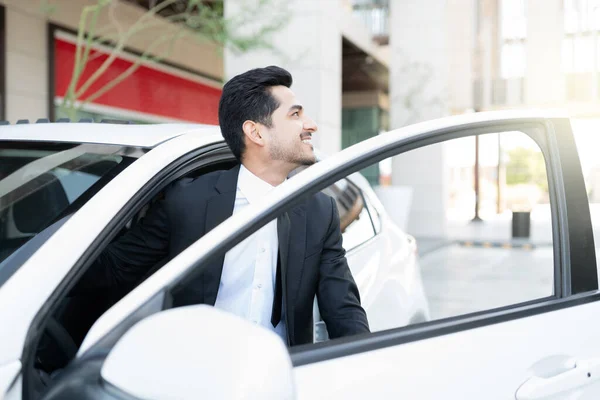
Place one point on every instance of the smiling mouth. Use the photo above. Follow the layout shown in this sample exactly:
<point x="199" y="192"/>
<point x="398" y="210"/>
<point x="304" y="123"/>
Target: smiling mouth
<point x="306" y="137"/>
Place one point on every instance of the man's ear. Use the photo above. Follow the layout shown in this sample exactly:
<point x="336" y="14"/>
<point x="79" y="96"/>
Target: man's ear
<point x="252" y="132"/>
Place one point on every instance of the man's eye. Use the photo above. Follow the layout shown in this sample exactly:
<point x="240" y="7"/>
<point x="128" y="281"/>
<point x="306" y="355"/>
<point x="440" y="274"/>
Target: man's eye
<point x="296" y="114"/>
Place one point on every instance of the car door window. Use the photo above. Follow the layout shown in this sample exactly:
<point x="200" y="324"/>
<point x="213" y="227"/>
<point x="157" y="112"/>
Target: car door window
<point x="466" y="248"/>
<point x="39" y="183"/>
<point x="481" y="216"/>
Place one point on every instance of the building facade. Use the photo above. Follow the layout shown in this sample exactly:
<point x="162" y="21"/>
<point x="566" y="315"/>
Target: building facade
<point x="333" y="49"/>
<point x="40" y="49"/>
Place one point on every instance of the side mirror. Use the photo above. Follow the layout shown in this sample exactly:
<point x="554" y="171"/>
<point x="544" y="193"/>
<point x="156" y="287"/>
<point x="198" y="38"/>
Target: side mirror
<point x="200" y="352"/>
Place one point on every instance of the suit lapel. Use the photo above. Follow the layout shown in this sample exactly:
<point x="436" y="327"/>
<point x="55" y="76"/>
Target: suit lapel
<point x="218" y="209"/>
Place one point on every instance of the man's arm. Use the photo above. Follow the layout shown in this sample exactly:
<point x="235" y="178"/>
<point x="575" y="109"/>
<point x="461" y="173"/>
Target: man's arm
<point x="337" y="293"/>
<point x="129" y="258"/>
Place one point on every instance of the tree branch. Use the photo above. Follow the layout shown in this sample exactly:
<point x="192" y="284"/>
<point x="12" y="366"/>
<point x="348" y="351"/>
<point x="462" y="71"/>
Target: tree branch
<point x="147" y="56"/>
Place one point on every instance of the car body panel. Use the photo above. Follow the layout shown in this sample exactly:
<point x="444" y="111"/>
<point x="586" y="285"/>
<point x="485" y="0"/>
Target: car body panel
<point x="119" y="134"/>
<point x="486" y="363"/>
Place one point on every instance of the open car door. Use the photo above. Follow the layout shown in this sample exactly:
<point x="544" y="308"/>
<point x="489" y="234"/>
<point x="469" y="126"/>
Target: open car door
<point x="543" y="348"/>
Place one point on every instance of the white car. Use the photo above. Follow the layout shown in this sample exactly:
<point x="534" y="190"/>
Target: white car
<point x="141" y="347"/>
<point x="66" y="189"/>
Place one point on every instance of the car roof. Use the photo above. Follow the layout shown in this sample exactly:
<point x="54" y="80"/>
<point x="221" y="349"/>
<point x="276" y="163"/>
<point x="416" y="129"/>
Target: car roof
<point x="151" y="135"/>
<point x="142" y="135"/>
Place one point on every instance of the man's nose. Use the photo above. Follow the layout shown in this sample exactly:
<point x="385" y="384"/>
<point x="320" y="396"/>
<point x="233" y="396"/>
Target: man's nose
<point x="310" y="125"/>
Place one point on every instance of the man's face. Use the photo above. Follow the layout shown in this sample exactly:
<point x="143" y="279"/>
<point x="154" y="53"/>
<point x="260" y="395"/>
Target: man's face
<point x="289" y="139"/>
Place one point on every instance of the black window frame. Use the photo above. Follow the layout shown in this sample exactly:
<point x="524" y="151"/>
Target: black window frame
<point x="2" y="62"/>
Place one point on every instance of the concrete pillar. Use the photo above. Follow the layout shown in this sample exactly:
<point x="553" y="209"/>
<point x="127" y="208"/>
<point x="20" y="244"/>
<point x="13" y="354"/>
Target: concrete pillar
<point x="310" y="47"/>
<point x="544" y="81"/>
<point x="26" y="65"/>
<point x="419" y="53"/>
<point x="461" y="47"/>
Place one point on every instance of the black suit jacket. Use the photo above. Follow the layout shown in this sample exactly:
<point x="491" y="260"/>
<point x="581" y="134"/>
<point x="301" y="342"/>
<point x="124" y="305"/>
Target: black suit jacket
<point x="312" y="257"/>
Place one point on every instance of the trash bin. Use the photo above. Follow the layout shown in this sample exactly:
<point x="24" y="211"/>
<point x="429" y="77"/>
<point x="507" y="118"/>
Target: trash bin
<point x="521" y="224"/>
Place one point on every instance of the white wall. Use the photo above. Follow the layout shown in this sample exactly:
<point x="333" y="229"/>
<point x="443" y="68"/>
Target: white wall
<point x="311" y="49"/>
<point x="26" y="65"/>
<point x="413" y="39"/>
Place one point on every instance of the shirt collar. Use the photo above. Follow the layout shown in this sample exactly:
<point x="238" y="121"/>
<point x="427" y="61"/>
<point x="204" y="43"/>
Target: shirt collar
<point x="251" y="186"/>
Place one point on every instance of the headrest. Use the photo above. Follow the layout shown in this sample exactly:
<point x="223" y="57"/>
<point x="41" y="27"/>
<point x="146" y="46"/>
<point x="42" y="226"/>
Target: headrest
<point x="35" y="211"/>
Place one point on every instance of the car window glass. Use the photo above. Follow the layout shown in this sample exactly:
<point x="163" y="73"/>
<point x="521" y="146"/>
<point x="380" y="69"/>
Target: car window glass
<point x="479" y="210"/>
<point x="40" y="181"/>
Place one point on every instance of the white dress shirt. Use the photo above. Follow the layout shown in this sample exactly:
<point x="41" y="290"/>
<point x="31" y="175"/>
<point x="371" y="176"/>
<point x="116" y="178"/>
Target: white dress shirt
<point x="247" y="284"/>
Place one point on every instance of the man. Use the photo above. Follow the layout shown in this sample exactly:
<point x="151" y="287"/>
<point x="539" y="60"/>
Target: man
<point x="273" y="276"/>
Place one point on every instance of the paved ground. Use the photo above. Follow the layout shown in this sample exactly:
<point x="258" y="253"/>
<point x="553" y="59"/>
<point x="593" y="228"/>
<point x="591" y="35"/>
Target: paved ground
<point x="460" y="280"/>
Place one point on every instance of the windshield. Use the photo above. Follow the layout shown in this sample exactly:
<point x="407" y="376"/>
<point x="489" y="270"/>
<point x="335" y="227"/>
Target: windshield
<point x="40" y="183"/>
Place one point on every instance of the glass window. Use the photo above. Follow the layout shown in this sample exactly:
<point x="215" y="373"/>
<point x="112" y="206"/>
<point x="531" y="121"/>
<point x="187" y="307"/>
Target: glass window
<point x="472" y="261"/>
<point x="40" y="182"/>
<point x="458" y="247"/>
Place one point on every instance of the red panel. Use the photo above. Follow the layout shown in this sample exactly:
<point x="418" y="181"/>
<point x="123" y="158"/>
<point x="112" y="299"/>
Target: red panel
<point x="146" y="90"/>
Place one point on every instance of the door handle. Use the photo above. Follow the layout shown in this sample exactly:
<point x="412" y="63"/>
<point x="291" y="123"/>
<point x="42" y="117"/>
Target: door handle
<point x="583" y="373"/>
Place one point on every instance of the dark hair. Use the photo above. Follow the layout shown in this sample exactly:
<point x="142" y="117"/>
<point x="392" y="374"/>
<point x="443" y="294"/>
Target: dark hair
<point x="248" y="97"/>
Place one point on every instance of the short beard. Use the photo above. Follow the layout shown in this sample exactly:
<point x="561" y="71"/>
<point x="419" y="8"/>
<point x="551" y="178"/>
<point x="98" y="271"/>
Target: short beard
<point x="279" y="154"/>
